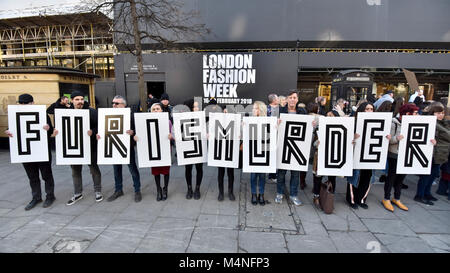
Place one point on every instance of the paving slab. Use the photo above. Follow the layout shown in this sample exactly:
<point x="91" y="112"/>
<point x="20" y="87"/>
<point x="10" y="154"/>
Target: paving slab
<point x="439" y="242"/>
<point x="356" y="242"/>
<point x="120" y="237"/>
<point x="391" y="227"/>
<point x="416" y="218"/>
<point x="213" y="240"/>
<point x="404" y="244"/>
<point x="310" y="244"/>
<point x="217" y="221"/>
<point x="261" y="242"/>
<point x="167" y="235"/>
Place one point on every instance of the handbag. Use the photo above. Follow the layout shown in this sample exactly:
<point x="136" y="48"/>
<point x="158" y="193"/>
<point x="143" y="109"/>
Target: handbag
<point x="326" y="197"/>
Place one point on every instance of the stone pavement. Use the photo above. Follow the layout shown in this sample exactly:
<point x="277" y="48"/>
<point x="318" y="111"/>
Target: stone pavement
<point x="207" y="225"/>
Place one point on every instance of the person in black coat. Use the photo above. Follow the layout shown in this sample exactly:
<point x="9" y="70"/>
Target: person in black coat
<point x="32" y="168"/>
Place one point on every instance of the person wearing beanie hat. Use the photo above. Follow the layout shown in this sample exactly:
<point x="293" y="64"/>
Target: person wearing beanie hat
<point x="33" y="168"/>
<point x="79" y="103"/>
<point x="25" y="99"/>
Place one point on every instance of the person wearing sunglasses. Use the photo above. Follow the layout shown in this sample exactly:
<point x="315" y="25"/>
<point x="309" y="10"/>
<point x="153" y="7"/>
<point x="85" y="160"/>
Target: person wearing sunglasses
<point x="120" y="102"/>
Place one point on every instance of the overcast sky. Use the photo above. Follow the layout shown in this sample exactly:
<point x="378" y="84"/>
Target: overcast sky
<point x="23" y="8"/>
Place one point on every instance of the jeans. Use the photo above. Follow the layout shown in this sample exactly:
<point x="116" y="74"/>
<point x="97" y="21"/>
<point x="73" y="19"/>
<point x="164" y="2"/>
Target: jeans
<point x="133" y="171"/>
<point x="295" y="177"/>
<point x="426" y="181"/>
<point x="254" y="181"/>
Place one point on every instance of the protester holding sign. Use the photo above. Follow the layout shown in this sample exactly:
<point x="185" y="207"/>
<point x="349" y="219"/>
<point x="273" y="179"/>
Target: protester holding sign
<point x="194" y="107"/>
<point x="32" y="168"/>
<point x="259" y="110"/>
<point x="358" y="185"/>
<point x="79" y="103"/>
<point x="120" y="102"/>
<point x="165" y="170"/>
<point x="393" y="179"/>
<point x="290" y="108"/>
<point x="440" y="154"/>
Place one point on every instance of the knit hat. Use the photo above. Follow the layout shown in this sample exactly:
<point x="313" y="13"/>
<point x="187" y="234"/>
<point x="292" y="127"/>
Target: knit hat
<point x="165" y="96"/>
<point x="25" y="98"/>
<point x="76" y="93"/>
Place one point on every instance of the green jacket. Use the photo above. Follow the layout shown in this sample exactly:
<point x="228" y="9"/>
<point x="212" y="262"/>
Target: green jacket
<point x="442" y="148"/>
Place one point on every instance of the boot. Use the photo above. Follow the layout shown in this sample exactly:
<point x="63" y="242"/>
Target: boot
<point x="230" y="194"/>
<point x="158" y="194"/>
<point x="197" y="192"/>
<point x="220" y="197"/>
<point x="254" y="199"/>
<point x="189" y="192"/>
<point x="164" y="193"/>
<point x="261" y="200"/>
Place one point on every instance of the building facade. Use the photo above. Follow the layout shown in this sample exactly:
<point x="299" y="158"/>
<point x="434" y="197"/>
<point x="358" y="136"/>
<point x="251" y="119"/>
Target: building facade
<point x="257" y="47"/>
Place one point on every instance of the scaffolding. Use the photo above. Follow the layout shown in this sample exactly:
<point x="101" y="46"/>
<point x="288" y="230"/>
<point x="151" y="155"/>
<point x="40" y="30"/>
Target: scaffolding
<point x="81" y="41"/>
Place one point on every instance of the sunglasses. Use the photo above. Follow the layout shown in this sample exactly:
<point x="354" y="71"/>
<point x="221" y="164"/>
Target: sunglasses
<point x="116" y="103"/>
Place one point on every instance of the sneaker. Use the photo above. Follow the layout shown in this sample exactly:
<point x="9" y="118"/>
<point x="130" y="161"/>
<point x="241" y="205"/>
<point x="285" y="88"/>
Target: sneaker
<point x="115" y="195"/>
<point x="273" y="180"/>
<point x="295" y="200"/>
<point x="387" y="205"/>
<point x="399" y="204"/>
<point x="74" y="199"/>
<point x="98" y="197"/>
<point x="279" y="198"/>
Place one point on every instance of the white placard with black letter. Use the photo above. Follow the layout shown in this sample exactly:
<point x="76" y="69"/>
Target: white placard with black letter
<point x="260" y="145"/>
<point x="114" y="143"/>
<point x="153" y="144"/>
<point x="29" y="142"/>
<point x="73" y="144"/>
<point x="372" y="145"/>
<point x="335" y="153"/>
<point x="224" y="140"/>
<point x="294" y="142"/>
<point x="415" y="150"/>
<point x="190" y="137"/>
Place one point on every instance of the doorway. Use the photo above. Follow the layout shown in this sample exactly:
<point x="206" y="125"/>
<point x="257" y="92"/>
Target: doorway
<point x="156" y="89"/>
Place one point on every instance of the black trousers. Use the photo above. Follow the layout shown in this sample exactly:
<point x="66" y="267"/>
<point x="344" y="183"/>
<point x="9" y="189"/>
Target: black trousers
<point x="188" y="174"/>
<point x="32" y="169"/>
<point x="221" y="176"/>
<point x="359" y="195"/>
<point x="393" y="180"/>
<point x="318" y="182"/>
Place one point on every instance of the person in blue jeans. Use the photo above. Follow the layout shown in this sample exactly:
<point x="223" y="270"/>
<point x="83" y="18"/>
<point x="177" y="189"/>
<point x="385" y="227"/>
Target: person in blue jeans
<point x="254" y="179"/>
<point x="120" y="102"/>
<point x="290" y="108"/>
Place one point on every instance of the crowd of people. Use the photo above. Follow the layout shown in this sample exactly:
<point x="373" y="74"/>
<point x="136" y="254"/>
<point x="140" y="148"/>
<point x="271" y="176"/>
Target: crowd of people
<point x="358" y="185"/>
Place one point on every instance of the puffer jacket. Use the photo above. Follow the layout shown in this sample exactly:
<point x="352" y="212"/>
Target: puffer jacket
<point x="442" y="148"/>
<point x="396" y="128"/>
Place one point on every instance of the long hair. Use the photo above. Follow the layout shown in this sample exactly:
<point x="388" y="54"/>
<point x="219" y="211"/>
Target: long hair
<point x="362" y="108"/>
<point x="386" y="106"/>
<point x="262" y="108"/>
